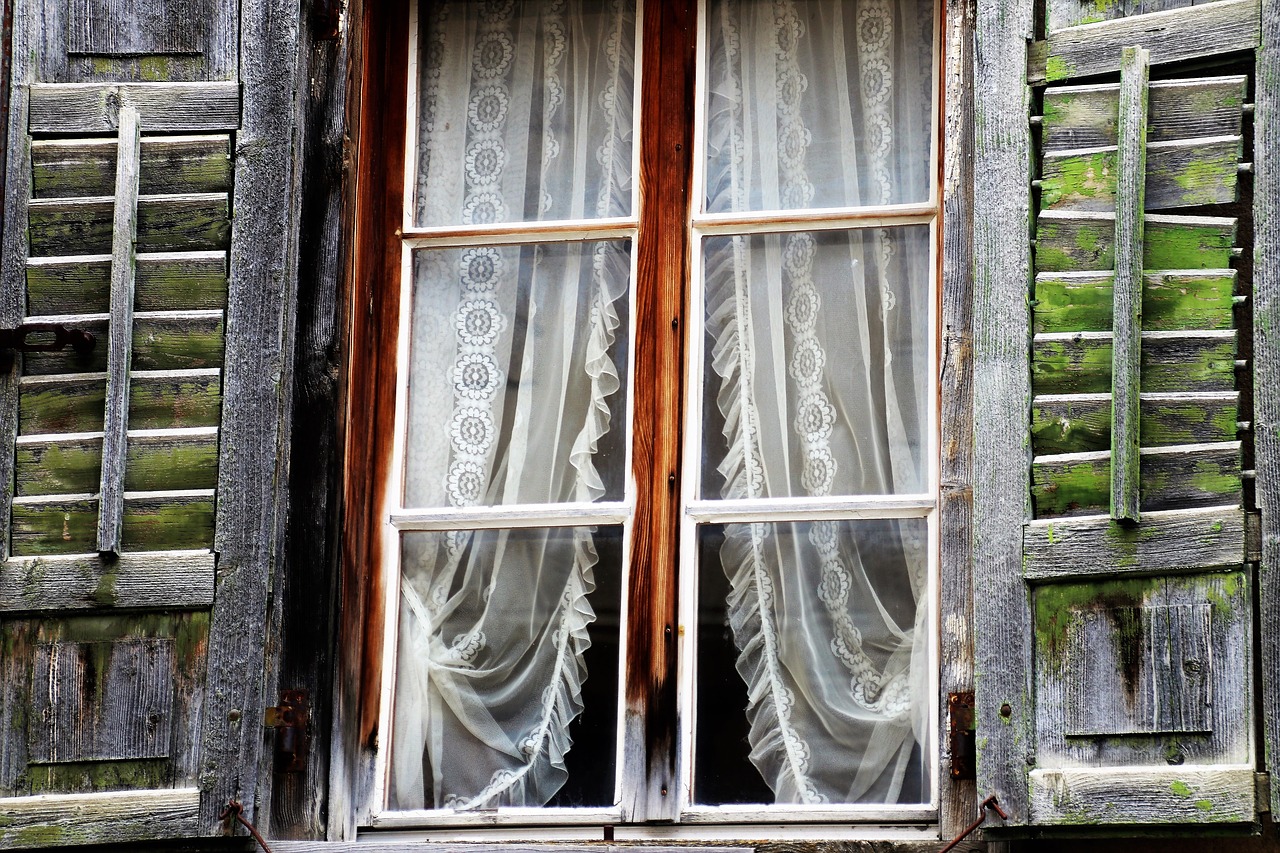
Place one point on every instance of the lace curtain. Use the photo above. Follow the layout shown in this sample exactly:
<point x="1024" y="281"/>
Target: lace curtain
<point x="817" y="350"/>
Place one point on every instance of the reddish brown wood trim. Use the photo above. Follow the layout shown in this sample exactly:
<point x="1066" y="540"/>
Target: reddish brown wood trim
<point x="663" y="265"/>
<point x="378" y="174"/>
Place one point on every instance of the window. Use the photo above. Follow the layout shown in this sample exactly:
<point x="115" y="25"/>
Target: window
<point x="659" y="520"/>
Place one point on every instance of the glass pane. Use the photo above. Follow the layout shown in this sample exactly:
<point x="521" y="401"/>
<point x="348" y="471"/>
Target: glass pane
<point x="817" y="364"/>
<point x="826" y="625"/>
<point x="525" y="111"/>
<point x="517" y="387"/>
<point x="818" y="103"/>
<point x="508" y="657"/>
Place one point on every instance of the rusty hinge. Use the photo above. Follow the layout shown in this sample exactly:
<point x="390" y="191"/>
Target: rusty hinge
<point x="43" y="337"/>
<point x="961" y="737"/>
<point x="291" y="719"/>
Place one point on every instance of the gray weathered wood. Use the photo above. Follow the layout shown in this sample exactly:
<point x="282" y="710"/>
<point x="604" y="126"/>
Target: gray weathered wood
<point x="87" y="108"/>
<point x="162" y="340"/>
<point x="256" y="379"/>
<point x="1182" y="173"/>
<point x="488" y="847"/>
<point x="165" y="281"/>
<point x="1172" y="36"/>
<point x="127" y="816"/>
<point x="1169" y="541"/>
<point x="1143" y="795"/>
<point x="1266" y="368"/>
<point x="1126" y="314"/>
<point x="64" y="168"/>
<point x="181" y="580"/>
<point x="1189" y="475"/>
<point x="1085" y="116"/>
<point x="155" y="460"/>
<point x="1071" y="13"/>
<point x="1002" y="281"/>
<point x="129" y="28"/>
<point x="120" y="340"/>
<point x="153" y="521"/>
<point x="166" y="223"/>
<point x="102" y="701"/>
<point x="158" y="399"/>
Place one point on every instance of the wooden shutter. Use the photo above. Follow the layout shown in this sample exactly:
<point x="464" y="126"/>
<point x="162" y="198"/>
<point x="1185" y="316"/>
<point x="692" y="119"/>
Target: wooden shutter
<point x="139" y="513"/>
<point x="1119" y="327"/>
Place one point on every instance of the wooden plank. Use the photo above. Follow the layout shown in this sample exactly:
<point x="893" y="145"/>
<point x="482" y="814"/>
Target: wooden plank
<point x="1143" y="795"/>
<point x="1185" y="173"/>
<point x="86" y="108"/>
<point x="125" y="816"/>
<point x="256" y="381"/>
<point x="1266" y="369"/>
<point x="173" y="580"/>
<point x="1167" y="541"/>
<point x="155" y="460"/>
<point x="158" y="399"/>
<point x="1172" y="362"/>
<point x="1066" y="240"/>
<point x="1070" y="13"/>
<point x="153" y="521"/>
<point x="1002" y="387"/>
<point x="102" y="701"/>
<point x="68" y="168"/>
<point x="1085" y="116"/>
<point x="1126" y="315"/>
<point x="1175" y="35"/>
<point x="120" y="334"/>
<point x="128" y="28"/>
<point x="1080" y="423"/>
<point x="162" y="340"/>
<point x="166" y="223"/>
<point x="166" y="281"/>
<point x="1172" y="300"/>
<point x="1178" y="477"/>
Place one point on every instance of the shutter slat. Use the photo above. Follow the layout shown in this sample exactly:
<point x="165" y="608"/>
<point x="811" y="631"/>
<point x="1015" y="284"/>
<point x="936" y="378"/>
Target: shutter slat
<point x="84" y="108"/>
<point x="67" y="168"/>
<point x="158" y="399"/>
<point x="1172" y="300"/>
<point x="1081" y="423"/>
<point x="166" y="223"/>
<point x="1070" y="240"/>
<point x="120" y="335"/>
<point x="1143" y="795"/>
<point x="1080" y="363"/>
<point x="162" y="340"/>
<point x="152" y="521"/>
<point x="178" y="580"/>
<point x="155" y="460"/>
<point x="166" y="281"/>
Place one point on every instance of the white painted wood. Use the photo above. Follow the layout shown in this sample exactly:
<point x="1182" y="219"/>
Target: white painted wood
<point x="513" y="233"/>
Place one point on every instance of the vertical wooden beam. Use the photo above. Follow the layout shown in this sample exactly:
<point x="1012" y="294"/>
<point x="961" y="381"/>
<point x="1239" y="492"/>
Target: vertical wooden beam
<point x="1001" y="401"/>
<point x="955" y="506"/>
<point x="1266" y="371"/>
<point x="124" y="241"/>
<point x="1126" y="349"/>
<point x="650" y="739"/>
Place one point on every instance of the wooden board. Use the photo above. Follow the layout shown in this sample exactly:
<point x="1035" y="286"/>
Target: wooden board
<point x="1143" y="795"/>
<point x="132" y="816"/>
<point x="166" y="281"/>
<point x="126" y="28"/>
<point x="1067" y="240"/>
<point x="156" y="460"/>
<point x="158" y="399"/>
<point x="1172" y="362"/>
<point x="153" y="521"/>
<point x="1172" y="300"/>
<point x="163" y="107"/>
<point x="1080" y="423"/>
<point x="67" y="168"/>
<point x="162" y="340"/>
<point x="166" y="223"/>
<point x="176" y="580"/>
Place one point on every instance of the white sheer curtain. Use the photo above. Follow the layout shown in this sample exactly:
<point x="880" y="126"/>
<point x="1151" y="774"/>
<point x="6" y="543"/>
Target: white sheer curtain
<point x="818" y="343"/>
<point x="526" y="113"/>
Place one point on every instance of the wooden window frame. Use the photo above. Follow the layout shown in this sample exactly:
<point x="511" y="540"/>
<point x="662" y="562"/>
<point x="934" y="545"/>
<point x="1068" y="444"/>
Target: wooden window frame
<point x="652" y="681"/>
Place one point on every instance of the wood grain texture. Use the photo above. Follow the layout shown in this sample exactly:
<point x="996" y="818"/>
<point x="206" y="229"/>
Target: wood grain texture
<point x="1172" y="300"/>
<point x="1085" y="116"/>
<point x="1126" y="293"/>
<point x="1079" y="423"/>
<point x="158" y="399"/>
<point x="154" y="460"/>
<point x="162" y="107"/>
<point x="1171" y="362"/>
<point x="256" y="377"/>
<point x="179" y="580"/>
<point x="1169" y="541"/>
<point x="487" y="847"/>
<point x="59" y="821"/>
<point x="1066" y="240"/>
<point x="1266" y="368"/>
<point x="166" y="223"/>
<point x="128" y="28"/>
<point x="62" y="168"/>
<point x="120" y="335"/>
<point x="162" y="340"/>
<point x="165" y="281"/>
<point x="1070" y="13"/>
<point x="102" y="701"/>
<point x="152" y="521"/>
<point x="1172" y="36"/>
<point x="955" y="500"/>
<point x="1142" y="795"/>
<point x="1002" y="386"/>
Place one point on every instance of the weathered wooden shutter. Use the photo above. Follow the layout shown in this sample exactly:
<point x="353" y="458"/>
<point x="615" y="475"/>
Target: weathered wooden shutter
<point x="1122" y="316"/>
<point x="146" y="202"/>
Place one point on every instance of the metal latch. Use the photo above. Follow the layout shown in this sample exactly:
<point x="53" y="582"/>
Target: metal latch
<point x="961" y="737"/>
<point x="43" y="337"/>
<point x="291" y="719"/>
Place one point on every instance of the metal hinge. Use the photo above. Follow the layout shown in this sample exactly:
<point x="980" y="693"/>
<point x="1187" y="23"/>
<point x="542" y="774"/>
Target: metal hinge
<point x="291" y="719"/>
<point x="43" y="337"/>
<point x="961" y="737"/>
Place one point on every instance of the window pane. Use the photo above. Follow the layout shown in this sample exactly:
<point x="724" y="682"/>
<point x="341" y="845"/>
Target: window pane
<point x="525" y="111"/>
<point x="517" y="387"/>
<point x="816" y="371"/>
<point x="826" y="625"/>
<point x="499" y="631"/>
<point x="818" y="103"/>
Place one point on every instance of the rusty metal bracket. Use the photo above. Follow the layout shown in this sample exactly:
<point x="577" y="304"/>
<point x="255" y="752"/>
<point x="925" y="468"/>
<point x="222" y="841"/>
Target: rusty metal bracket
<point x="43" y="337"/>
<point x="989" y="803"/>
<point x="961" y="736"/>
<point x="292" y="721"/>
